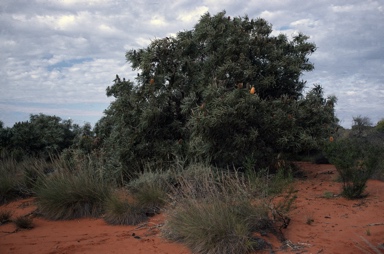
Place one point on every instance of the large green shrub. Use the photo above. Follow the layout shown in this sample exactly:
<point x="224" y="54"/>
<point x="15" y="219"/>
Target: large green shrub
<point x="192" y="99"/>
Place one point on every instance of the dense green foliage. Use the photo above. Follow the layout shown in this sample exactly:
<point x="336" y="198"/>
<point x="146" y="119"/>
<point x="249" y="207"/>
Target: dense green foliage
<point x="192" y="99"/>
<point x="44" y="136"/>
<point x="380" y="125"/>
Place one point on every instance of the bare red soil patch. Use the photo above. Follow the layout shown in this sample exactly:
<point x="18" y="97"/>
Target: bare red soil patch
<point x="321" y="222"/>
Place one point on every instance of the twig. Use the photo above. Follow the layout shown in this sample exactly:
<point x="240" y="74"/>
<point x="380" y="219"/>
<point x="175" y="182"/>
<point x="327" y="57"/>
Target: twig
<point x="375" y="224"/>
<point x="10" y="232"/>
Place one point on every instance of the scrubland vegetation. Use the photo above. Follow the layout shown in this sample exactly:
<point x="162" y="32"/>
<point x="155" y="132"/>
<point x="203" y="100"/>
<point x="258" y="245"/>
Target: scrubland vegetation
<point x="207" y="135"/>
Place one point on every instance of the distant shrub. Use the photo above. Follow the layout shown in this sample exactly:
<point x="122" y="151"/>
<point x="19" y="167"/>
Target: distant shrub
<point x="356" y="160"/>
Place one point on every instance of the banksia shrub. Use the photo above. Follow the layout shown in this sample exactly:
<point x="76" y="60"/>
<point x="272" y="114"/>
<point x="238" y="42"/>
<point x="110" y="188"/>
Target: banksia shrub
<point x="228" y="89"/>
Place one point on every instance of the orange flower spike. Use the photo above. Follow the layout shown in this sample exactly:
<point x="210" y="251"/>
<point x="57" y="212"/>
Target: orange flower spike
<point x="253" y="90"/>
<point x="331" y="139"/>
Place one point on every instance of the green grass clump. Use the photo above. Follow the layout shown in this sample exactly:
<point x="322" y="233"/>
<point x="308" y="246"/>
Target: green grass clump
<point x="24" y="222"/>
<point x="69" y="195"/>
<point x="122" y="211"/>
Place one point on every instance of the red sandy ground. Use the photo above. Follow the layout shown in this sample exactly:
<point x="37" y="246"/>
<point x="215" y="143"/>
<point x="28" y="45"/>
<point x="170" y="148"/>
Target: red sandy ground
<point x="338" y="226"/>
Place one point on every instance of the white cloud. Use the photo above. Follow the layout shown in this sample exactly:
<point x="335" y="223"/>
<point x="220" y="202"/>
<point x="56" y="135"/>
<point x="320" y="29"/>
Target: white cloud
<point x="158" y="21"/>
<point x="192" y="16"/>
<point x="304" y="23"/>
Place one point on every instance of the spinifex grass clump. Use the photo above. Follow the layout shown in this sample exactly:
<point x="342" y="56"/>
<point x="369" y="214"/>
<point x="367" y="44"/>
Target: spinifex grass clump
<point x="68" y="195"/>
<point x="216" y="212"/>
<point x="356" y="160"/>
<point x="214" y="225"/>
<point x="150" y="189"/>
<point x="120" y="210"/>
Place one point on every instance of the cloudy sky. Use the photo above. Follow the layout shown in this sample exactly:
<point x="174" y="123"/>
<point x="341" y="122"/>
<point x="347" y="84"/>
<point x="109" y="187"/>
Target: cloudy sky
<point x="58" y="56"/>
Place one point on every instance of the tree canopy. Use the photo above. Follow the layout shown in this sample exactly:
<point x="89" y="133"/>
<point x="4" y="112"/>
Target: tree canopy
<point x="42" y="135"/>
<point x="227" y="92"/>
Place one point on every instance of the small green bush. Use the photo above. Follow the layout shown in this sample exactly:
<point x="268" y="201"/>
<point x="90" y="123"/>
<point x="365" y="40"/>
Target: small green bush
<point x="121" y="211"/>
<point x="356" y="160"/>
<point x="68" y="195"/>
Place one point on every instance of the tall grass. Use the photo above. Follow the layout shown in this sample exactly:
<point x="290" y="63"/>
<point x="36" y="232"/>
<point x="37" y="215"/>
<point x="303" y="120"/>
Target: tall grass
<point x="19" y="176"/>
<point x="217" y="211"/>
<point x="72" y="191"/>
<point x="9" y="180"/>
